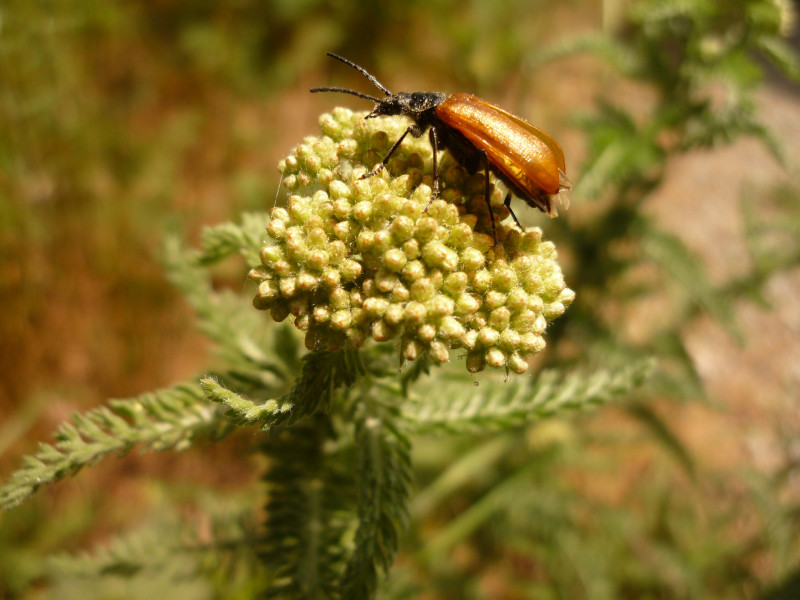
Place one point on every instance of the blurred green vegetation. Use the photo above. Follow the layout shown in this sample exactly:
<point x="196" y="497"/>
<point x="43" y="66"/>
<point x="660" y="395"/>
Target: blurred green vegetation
<point x="122" y="120"/>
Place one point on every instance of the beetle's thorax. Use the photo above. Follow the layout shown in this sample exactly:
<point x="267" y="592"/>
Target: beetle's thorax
<point x="417" y="105"/>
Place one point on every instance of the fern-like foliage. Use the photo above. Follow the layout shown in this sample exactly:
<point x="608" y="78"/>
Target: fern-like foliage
<point x="309" y="511"/>
<point x="245" y="238"/>
<point x="671" y="254"/>
<point x="225" y="317"/>
<point x="322" y="373"/>
<point x="241" y="410"/>
<point x="169" y="556"/>
<point x="772" y="234"/>
<point x="384" y="473"/>
<point x="494" y="405"/>
<point x="167" y="419"/>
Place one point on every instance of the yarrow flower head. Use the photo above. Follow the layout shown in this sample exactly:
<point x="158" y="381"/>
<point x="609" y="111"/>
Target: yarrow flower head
<point x="351" y="259"/>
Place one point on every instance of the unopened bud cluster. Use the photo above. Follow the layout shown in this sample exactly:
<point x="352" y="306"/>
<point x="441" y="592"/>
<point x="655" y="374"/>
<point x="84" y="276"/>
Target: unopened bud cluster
<point x="352" y="259"/>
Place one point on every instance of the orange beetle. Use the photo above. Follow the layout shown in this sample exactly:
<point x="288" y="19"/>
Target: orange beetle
<point x="477" y="134"/>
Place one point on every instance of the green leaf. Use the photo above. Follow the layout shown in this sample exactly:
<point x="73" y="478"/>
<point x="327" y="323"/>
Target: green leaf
<point x="662" y="432"/>
<point x="322" y="373"/>
<point x="384" y="473"/>
<point x="781" y="55"/>
<point x="241" y="410"/>
<point x="497" y="405"/>
<point x="309" y="511"/>
<point x="169" y="556"/>
<point x="245" y="339"/>
<point x="672" y="255"/>
<point x="170" y="418"/>
<point x="221" y="241"/>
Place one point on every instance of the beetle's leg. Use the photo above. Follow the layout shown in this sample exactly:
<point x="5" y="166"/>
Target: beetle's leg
<point x="507" y="203"/>
<point x="486" y="193"/>
<point x="434" y="137"/>
<point x="413" y="130"/>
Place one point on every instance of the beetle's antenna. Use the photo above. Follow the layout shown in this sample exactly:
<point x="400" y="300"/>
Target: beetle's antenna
<point x="363" y="71"/>
<point x="346" y="91"/>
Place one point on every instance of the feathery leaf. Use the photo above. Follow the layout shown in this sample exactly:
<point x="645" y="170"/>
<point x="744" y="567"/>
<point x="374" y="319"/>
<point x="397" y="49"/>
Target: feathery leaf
<point x="495" y="405"/>
<point x="169" y="418"/>
<point x="384" y="472"/>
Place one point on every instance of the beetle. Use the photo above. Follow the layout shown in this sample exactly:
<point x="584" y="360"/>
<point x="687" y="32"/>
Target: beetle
<point x="477" y="134"/>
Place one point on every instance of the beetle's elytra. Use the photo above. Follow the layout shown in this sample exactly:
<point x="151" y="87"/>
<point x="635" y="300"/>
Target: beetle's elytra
<point x="478" y="135"/>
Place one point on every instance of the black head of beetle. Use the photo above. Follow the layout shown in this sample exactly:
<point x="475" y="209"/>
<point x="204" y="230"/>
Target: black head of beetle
<point x="478" y="135"/>
<point x="419" y="106"/>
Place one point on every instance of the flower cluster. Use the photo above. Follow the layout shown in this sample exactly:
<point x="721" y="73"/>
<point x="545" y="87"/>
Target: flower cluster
<point x="352" y="259"/>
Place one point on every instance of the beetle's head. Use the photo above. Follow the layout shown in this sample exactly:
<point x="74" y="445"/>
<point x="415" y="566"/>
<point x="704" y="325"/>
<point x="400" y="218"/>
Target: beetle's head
<point x="411" y="104"/>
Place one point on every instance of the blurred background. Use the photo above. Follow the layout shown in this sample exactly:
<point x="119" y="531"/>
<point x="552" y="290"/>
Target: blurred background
<point x="122" y="121"/>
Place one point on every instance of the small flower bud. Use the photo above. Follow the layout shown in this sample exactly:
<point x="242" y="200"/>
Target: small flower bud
<point x="504" y="278"/>
<point x="288" y="287"/>
<point x="402" y="228"/>
<point x="321" y="314"/>
<point x="425" y="230"/>
<point x="467" y="304"/>
<point x="488" y="337"/>
<point x="279" y="311"/>
<point x="440" y="306"/>
<point x="455" y="283"/>
<point x="517" y="364"/>
<point x="517" y="300"/>
<point x="394" y="314"/>
<point x="375" y="307"/>
<point x="439" y="352"/>
<point x="451" y="328"/>
<point x="382" y="331"/>
<point x="362" y="211"/>
<point x="302" y="322"/>
<point x="495" y="358"/>
<point x="415" y="312"/>
<point x="385" y="281"/>
<point x="422" y="289"/>
<point x="394" y="260"/>
<point x="276" y="229"/>
<point x="342" y="209"/>
<point x="436" y="254"/>
<point x="494" y="299"/>
<point x="460" y="236"/>
<point x="331" y="278"/>
<point x="400" y="293"/>
<point x="509" y="339"/>
<point x="476" y="362"/>
<point x="341" y="319"/>
<point x="412" y="349"/>
<point x="351" y="270"/>
<point x="531" y="343"/>
<point x="553" y="310"/>
<point x="383" y="242"/>
<point x="470" y="339"/>
<point x="306" y="282"/>
<point x="339" y="298"/>
<point x="411" y="248"/>
<point x="426" y="332"/>
<point x="481" y="281"/>
<point x="499" y="318"/>
<point x="338" y="190"/>
<point x="268" y="290"/>
<point x="342" y="230"/>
